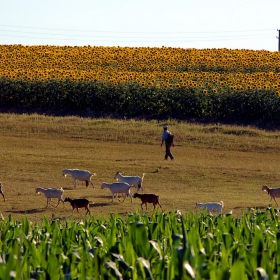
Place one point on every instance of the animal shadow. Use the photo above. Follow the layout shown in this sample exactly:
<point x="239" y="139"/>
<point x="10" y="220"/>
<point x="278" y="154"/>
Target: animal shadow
<point x="28" y="211"/>
<point x="92" y="205"/>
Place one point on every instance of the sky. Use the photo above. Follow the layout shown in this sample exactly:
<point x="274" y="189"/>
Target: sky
<point x="200" y="24"/>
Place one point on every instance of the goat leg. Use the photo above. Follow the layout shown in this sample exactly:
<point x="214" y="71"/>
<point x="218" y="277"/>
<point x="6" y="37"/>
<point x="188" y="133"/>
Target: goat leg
<point x="124" y="198"/>
<point x="275" y="200"/>
<point x="159" y="204"/>
<point x="92" y="184"/>
<point x="57" y="203"/>
<point x="47" y="202"/>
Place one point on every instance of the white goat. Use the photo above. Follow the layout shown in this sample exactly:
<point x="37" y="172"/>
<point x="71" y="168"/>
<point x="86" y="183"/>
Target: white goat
<point x="211" y="206"/>
<point x="51" y="193"/>
<point x="272" y="192"/>
<point x="135" y="181"/>
<point x="118" y="187"/>
<point x="77" y="174"/>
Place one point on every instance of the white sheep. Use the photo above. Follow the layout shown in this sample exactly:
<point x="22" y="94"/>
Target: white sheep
<point x="211" y="206"/>
<point x="118" y="187"/>
<point x="135" y="181"/>
<point x="51" y="193"/>
<point x="77" y="174"/>
<point x="272" y="192"/>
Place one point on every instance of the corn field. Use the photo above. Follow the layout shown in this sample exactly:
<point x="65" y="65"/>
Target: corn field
<point x="142" y="82"/>
<point x="163" y="246"/>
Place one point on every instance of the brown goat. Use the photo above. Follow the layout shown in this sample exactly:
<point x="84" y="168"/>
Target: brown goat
<point x="148" y="198"/>
<point x="78" y="203"/>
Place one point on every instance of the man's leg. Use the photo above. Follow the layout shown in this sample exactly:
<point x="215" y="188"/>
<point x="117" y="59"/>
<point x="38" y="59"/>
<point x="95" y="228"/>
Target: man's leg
<point x="168" y="152"/>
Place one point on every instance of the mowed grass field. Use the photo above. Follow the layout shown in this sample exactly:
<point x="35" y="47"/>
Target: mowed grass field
<point x="212" y="163"/>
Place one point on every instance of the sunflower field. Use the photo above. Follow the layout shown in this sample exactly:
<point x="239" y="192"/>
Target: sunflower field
<point x="143" y="82"/>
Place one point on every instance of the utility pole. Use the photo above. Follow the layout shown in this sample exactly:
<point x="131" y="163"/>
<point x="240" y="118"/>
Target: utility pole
<point x="278" y="40"/>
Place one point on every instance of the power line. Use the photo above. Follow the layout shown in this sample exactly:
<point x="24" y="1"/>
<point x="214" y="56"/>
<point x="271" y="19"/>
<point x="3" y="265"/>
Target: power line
<point x="118" y="37"/>
<point x="134" y="32"/>
<point x="89" y="37"/>
<point x="133" y="41"/>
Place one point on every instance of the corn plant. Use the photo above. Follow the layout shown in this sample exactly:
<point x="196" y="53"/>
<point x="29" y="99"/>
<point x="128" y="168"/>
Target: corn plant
<point x="138" y="246"/>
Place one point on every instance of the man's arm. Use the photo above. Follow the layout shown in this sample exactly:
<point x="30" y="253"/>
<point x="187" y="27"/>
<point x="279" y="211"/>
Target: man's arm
<point x="163" y="138"/>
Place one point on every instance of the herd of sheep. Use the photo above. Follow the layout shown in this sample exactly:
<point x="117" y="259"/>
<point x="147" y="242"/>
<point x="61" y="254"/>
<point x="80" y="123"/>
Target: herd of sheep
<point x="123" y="186"/>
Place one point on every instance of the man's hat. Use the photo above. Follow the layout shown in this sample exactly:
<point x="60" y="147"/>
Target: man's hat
<point x="165" y="126"/>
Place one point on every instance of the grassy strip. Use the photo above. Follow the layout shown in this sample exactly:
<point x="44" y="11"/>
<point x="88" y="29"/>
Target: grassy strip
<point x="212" y="163"/>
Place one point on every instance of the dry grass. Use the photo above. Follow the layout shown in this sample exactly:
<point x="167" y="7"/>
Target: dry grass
<point x="213" y="163"/>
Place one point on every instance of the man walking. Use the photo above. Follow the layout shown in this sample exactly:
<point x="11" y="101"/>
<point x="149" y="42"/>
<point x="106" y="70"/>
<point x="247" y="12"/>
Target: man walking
<point x="167" y="137"/>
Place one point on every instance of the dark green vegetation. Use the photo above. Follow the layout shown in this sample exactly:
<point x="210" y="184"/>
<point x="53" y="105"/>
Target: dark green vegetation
<point x="89" y="98"/>
<point x="163" y="246"/>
